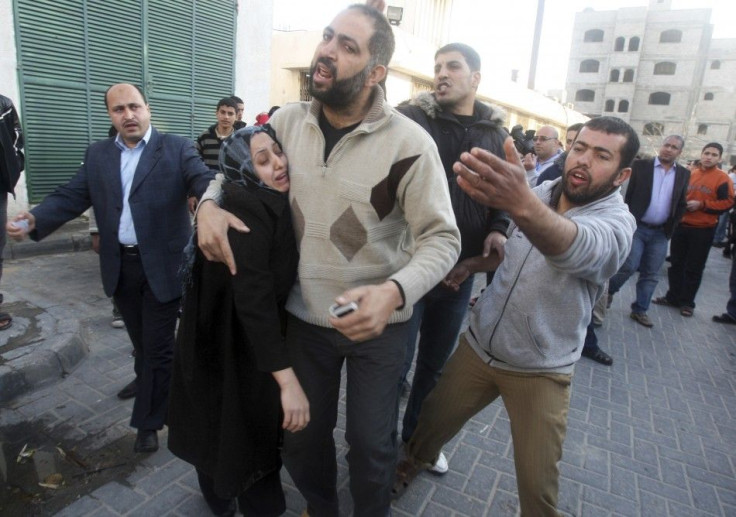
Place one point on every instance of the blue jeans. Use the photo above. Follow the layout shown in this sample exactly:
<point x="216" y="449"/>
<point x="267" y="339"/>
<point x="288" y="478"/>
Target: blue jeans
<point x="437" y="319"/>
<point x="648" y="251"/>
<point x="721" y="228"/>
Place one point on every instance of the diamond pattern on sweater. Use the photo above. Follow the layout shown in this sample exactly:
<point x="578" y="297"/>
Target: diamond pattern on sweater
<point x="348" y="234"/>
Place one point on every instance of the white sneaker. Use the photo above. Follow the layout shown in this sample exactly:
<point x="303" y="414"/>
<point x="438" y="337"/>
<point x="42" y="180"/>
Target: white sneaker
<point x="117" y="323"/>
<point x="440" y="466"/>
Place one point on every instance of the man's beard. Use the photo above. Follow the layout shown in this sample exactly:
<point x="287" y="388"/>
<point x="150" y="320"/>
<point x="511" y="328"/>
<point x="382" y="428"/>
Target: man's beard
<point x="587" y="194"/>
<point x="343" y="92"/>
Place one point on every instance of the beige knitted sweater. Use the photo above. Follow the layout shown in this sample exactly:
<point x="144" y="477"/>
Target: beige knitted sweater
<point x="377" y="209"/>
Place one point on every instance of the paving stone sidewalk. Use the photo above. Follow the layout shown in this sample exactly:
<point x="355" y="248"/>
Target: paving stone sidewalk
<point x="654" y="435"/>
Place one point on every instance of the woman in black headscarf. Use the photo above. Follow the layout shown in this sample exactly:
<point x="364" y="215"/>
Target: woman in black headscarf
<point x="233" y="391"/>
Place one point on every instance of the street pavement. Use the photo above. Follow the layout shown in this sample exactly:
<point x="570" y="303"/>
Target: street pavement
<point x="653" y="435"/>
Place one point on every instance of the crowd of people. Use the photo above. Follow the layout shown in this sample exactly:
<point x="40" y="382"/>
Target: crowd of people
<point x="343" y="232"/>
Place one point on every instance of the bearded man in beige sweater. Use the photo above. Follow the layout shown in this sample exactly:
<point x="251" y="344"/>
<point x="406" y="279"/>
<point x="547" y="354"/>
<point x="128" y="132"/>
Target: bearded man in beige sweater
<point x="375" y="226"/>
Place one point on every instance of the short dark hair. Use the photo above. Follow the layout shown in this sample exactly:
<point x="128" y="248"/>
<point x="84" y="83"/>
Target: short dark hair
<point x="237" y="99"/>
<point x="714" y="145"/>
<point x="382" y="44"/>
<point x="679" y="138"/>
<point x="227" y="101"/>
<point x="145" y="101"/>
<point x="471" y="56"/>
<point x="576" y="127"/>
<point x="616" y="126"/>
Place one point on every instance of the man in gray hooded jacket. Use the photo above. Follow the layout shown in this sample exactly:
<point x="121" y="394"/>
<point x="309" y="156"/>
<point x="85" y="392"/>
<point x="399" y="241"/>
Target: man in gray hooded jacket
<point x="526" y="332"/>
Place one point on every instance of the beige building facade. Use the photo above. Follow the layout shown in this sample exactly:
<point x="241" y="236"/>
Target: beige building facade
<point x="660" y="70"/>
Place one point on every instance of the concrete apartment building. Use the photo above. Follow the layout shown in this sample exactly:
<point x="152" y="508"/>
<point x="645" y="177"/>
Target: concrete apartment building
<point x="660" y="70"/>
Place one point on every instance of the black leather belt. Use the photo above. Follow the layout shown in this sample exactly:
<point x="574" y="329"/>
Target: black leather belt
<point x="651" y="226"/>
<point x="129" y="249"/>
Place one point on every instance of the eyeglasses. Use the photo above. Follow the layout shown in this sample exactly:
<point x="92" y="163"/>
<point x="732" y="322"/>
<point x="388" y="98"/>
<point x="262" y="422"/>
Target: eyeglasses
<point x="542" y="138"/>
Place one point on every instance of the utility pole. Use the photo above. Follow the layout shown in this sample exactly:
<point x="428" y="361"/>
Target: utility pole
<point x="535" y="45"/>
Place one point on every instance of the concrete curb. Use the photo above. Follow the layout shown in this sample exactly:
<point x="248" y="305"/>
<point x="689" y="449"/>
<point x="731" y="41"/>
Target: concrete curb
<point x="36" y="365"/>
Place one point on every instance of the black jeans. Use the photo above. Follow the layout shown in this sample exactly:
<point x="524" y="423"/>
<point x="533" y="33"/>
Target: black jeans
<point x="150" y="325"/>
<point x="265" y="498"/>
<point x="373" y="369"/>
<point x="689" y="251"/>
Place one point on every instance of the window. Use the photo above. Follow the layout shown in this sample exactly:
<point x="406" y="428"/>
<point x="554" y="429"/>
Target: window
<point x="623" y="106"/>
<point x="593" y="36"/>
<point x="629" y="76"/>
<point x="609" y="105"/>
<point x="614" y="75"/>
<point x="653" y="129"/>
<point x="665" y="68"/>
<point x="670" y="36"/>
<point x="634" y="44"/>
<point x="619" y="44"/>
<point x="702" y="129"/>
<point x="715" y="65"/>
<point x="708" y="96"/>
<point x="660" y="99"/>
<point x="589" y="66"/>
<point x="585" y="96"/>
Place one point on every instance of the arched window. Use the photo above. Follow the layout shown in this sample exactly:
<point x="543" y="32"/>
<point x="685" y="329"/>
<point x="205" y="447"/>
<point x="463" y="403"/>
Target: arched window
<point x="660" y="99"/>
<point x="634" y="44"/>
<point x="670" y="36"/>
<point x="589" y="66"/>
<point x="702" y="129"/>
<point x="618" y="46"/>
<point x="585" y="96"/>
<point x="623" y="106"/>
<point x="609" y="104"/>
<point x="629" y="75"/>
<point x="665" y="68"/>
<point x="593" y="36"/>
<point x="708" y="96"/>
<point x="653" y="129"/>
<point x="715" y="65"/>
<point x="614" y="75"/>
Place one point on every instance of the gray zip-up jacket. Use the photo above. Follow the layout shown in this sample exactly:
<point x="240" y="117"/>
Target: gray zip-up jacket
<point x="533" y="315"/>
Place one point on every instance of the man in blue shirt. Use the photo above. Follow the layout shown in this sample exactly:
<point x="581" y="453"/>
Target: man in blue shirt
<point x="656" y="198"/>
<point x="137" y="182"/>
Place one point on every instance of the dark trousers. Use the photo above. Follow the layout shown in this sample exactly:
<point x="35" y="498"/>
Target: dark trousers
<point x="264" y="498"/>
<point x="591" y="340"/>
<point x="150" y="325"/>
<point x="731" y="306"/>
<point x="689" y="251"/>
<point x="437" y="319"/>
<point x="373" y="369"/>
<point x="3" y="221"/>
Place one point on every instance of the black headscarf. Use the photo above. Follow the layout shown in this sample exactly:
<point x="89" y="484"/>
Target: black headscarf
<point x="236" y="160"/>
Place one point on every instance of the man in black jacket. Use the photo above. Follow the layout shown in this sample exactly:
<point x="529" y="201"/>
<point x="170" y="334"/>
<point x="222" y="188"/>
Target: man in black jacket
<point x="656" y="198"/>
<point x="12" y="162"/>
<point x="457" y="122"/>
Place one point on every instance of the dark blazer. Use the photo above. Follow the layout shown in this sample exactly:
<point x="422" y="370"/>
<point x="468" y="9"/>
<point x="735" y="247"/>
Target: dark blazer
<point x="639" y="192"/>
<point x="169" y="167"/>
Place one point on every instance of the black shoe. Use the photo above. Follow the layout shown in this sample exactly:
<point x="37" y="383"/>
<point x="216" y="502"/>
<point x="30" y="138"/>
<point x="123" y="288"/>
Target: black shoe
<point x="129" y="391"/>
<point x="720" y="244"/>
<point x="725" y="318"/>
<point x="598" y="355"/>
<point x="146" y="441"/>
